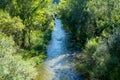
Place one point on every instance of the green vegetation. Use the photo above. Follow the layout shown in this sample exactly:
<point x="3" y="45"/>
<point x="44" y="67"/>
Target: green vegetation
<point x="95" y="30"/>
<point x="12" y="67"/>
<point x="26" y="26"/>
<point x="28" y="22"/>
<point x="25" y="29"/>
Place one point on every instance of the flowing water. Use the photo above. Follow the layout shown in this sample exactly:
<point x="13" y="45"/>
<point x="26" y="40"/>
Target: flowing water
<point x="59" y="62"/>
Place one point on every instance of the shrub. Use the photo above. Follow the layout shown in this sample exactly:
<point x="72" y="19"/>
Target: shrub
<point x="12" y="67"/>
<point x="102" y="58"/>
<point x="91" y="47"/>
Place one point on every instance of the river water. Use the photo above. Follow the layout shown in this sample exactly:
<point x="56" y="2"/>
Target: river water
<point x="59" y="62"/>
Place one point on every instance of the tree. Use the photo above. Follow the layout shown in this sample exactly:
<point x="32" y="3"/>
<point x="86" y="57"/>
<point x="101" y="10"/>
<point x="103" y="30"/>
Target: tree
<point x="26" y="10"/>
<point x="93" y="25"/>
<point x="77" y="20"/>
<point x="11" y="26"/>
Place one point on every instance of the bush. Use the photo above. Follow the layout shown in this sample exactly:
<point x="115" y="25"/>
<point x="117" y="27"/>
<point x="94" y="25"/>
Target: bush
<point x="102" y="58"/>
<point x="12" y="67"/>
<point x="11" y="26"/>
<point x="87" y="65"/>
<point x="91" y="47"/>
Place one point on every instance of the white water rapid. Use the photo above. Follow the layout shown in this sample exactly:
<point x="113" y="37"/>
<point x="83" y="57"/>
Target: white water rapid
<point x="59" y="62"/>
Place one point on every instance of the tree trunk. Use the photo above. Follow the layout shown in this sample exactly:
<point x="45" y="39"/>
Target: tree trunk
<point x="23" y="38"/>
<point x="29" y="39"/>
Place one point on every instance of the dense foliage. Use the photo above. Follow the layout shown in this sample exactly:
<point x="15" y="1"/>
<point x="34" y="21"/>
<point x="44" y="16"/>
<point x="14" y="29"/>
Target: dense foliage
<point x="25" y="29"/>
<point x="95" y="27"/>
<point x="12" y="67"/>
<point x="28" y="22"/>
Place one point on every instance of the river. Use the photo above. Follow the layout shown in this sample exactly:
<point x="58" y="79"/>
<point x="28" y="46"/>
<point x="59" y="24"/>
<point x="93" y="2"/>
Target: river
<point x="59" y="63"/>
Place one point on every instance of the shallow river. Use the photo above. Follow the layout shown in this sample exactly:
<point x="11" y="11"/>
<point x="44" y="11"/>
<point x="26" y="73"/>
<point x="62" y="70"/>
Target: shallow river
<point x="59" y="64"/>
